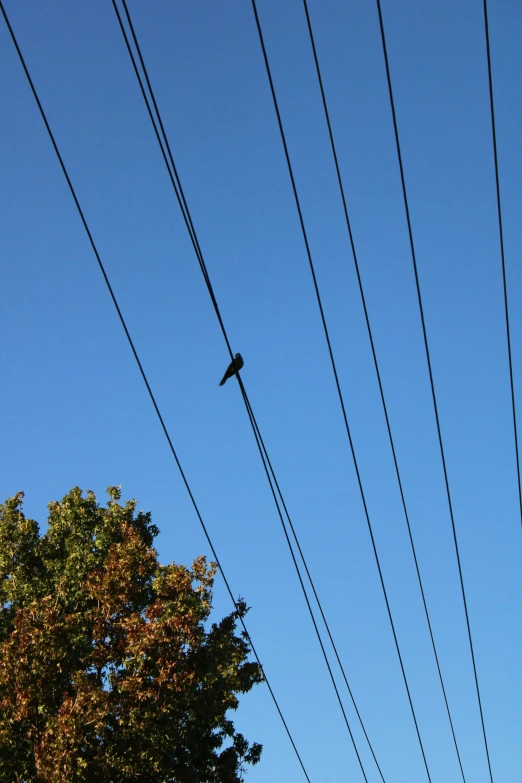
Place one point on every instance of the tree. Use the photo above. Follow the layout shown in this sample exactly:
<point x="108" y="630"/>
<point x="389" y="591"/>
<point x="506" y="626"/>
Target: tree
<point x="109" y="668"/>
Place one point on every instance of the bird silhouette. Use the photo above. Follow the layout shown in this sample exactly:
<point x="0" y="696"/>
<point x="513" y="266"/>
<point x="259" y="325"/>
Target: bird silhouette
<point x="235" y="365"/>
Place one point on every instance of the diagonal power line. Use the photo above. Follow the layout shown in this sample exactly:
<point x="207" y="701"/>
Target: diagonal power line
<point x="144" y="377"/>
<point x="271" y="477"/>
<point x="338" y="386"/>
<point x="432" y="383"/>
<point x="379" y="380"/>
<point x="501" y="237"/>
<point x="273" y="482"/>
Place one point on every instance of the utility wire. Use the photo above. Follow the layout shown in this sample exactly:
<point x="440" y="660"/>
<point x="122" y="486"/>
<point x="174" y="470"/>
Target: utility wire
<point x="262" y="447"/>
<point x="264" y="458"/>
<point x="176" y="183"/>
<point x="378" y="373"/>
<point x="145" y="379"/>
<point x="432" y="383"/>
<point x="337" y="383"/>
<point x="501" y="236"/>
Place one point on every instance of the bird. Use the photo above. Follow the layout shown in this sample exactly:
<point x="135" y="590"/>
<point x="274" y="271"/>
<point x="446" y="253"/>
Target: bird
<point x="235" y="365"/>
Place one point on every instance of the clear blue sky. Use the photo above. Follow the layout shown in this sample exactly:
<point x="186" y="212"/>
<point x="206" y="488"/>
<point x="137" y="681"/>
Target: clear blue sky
<point x="75" y="411"/>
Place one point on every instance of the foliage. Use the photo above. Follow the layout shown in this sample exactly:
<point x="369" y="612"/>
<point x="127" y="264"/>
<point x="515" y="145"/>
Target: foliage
<point x="109" y="670"/>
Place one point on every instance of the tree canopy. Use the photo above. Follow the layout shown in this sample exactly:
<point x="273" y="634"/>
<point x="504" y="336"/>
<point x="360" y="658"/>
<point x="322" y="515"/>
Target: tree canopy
<point x="109" y="667"/>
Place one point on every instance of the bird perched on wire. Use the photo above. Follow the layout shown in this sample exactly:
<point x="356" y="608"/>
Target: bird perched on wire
<point x="233" y="368"/>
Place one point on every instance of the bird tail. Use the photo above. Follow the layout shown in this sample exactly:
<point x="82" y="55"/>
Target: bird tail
<point x="223" y="380"/>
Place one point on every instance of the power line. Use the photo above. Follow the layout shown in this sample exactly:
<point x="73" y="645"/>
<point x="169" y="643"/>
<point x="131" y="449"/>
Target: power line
<point x="432" y="384"/>
<point x="501" y="236"/>
<point x="145" y="379"/>
<point x="261" y="445"/>
<point x="264" y="458"/>
<point x="337" y="383"/>
<point x="176" y="183"/>
<point x="379" y="381"/>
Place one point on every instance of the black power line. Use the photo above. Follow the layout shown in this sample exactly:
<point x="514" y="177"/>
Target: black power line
<point x="144" y="376"/>
<point x="266" y="460"/>
<point x="432" y="383"/>
<point x="378" y="373"/>
<point x="337" y="383"/>
<point x="272" y="480"/>
<point x="176" y="183"/>
<point x="501" y="237"/>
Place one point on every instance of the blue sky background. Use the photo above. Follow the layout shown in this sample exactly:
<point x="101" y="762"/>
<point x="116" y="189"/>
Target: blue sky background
<point x="75" y="411"/>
